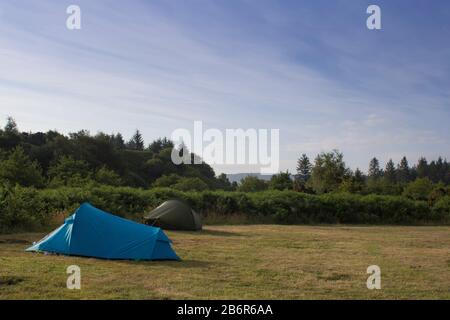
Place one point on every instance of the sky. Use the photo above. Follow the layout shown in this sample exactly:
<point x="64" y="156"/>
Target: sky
<point x="309" y="68"/>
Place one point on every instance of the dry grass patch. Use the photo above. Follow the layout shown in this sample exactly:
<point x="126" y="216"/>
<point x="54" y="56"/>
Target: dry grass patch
<point x="247" y="262"/>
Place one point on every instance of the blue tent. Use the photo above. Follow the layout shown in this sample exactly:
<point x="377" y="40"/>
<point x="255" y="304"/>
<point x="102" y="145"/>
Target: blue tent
<point x="91" y="232"/>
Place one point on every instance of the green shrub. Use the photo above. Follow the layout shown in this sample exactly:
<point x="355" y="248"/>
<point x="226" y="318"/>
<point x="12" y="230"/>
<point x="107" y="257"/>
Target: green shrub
<point x="420" y="189"/>
<point x="441" y="210"/>
<point x="252" y="184"/>
<point x="281" y="181"/>
<point x="29" y="208"/>
<point x="108" y="177"/>
<point x="22" y="209"/>
<point x="19" y="169"/>
<point x="190" y="184"/>
<point x="166" y="181"/>
<point x="69" y="172"/>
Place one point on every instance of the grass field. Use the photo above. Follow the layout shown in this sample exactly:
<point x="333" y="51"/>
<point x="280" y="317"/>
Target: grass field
<point x="247" y="262"/>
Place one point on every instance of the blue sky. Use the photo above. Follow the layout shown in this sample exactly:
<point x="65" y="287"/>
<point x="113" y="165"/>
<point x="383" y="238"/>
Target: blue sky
<point x="310" y="68"/>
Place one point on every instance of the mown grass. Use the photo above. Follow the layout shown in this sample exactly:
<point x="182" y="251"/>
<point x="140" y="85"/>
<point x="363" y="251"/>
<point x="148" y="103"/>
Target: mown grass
<point x="247" y="262"/>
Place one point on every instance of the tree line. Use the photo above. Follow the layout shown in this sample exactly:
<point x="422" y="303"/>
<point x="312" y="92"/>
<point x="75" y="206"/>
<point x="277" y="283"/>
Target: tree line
<point x="51" y="160"/>
<point x="329" y="173"/>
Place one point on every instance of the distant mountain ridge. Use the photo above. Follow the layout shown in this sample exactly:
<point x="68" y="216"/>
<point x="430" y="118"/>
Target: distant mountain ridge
<point x="239" y="176"/>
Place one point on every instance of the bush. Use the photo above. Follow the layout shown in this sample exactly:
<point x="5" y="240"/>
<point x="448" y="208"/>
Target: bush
<point x="252" y="184"/>
<point x="190" y="184"/>
<point x="19" y="169"/>
<point x="281" y="181"/>
<point x="108" y="177"/>
<point x="29" y="208"/>
<point x="166" y="181"/>
<point x="420" y="189"/>
<point x="22" y="209"/>
<point x="441" y="210"/>
<point x="439" y="191"/>
<point x="69" y="172"/>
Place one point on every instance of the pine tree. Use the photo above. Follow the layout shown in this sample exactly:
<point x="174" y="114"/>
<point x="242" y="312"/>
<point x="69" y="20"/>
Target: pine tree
<point x="422" y="168"/>
<point x="374" y="168"/>
<point x="440" y="169"/>
<point x="374" y="174"/>
<point x="390" y="172"/>
<point x="11" y="126"/>
<point x="136" y="142"/>
<point x="160" y="144"/>
<point x="303" y="168"/>
<point x="359" y="176"/>
<point x="446" y="177"/>
<point x="432" y="171"/>
<point x="118" y="141"/>
<point x="403" y="171"/>
<point x="359" y="180"/>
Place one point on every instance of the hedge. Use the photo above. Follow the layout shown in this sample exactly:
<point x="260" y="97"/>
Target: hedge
<point x="29" y="208"/>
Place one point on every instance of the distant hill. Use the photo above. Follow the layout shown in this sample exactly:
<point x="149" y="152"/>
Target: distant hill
<point x="239" y="176"/>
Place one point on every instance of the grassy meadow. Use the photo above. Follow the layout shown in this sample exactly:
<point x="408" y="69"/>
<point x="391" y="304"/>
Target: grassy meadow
<point x="247" y="262"/>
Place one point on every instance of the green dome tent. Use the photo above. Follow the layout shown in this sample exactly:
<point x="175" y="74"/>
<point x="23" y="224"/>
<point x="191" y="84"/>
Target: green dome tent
<point x="174" y="215"/>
